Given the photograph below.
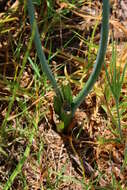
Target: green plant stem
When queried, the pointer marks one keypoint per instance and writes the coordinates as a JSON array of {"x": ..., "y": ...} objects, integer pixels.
[
  {"x": 39, "y": 49},
  {"x": 99, "y": 60},
  {"x": 118, "y": 117}
]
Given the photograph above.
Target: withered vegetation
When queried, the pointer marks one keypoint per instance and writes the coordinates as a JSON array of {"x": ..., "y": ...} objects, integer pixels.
[{"x": 91, "y": 156}]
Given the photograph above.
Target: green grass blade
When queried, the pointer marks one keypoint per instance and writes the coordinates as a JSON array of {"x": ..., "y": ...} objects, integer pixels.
[
  {"x": 123, "y": 74},
  {"x": 2, "y": 131},
  {"x": 35, "y": 68},
  {"x": 21, "y": 162},
  {"x": 108, "y": 78}
]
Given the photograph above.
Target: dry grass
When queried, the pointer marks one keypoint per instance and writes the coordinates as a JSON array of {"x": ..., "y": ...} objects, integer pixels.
[{"x": 92, "y": 156}]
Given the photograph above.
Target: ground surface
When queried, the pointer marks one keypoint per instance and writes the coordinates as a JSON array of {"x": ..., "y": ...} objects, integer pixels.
[{"x": 92, "y": 156}]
